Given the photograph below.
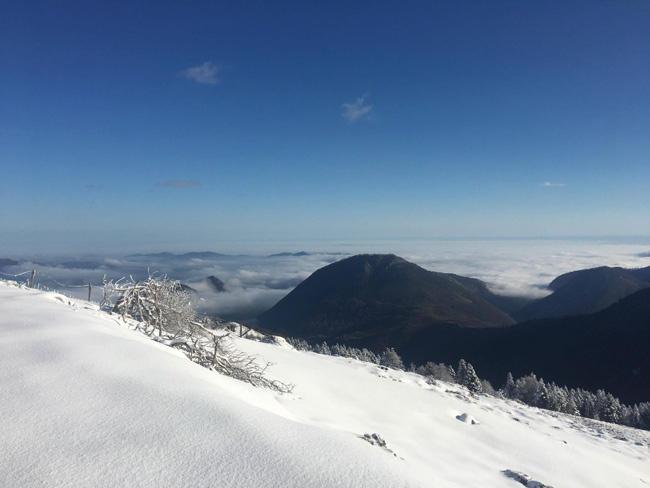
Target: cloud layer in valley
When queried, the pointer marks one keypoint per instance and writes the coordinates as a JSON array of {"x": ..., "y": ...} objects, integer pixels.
[{"x": 254, "y": 283}]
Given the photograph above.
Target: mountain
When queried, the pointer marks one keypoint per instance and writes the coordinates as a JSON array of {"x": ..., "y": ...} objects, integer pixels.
[
  {"x": 289, "y": 254},
  {"x": 168, "y": 256},
  {"x": 159, "y": 255},
  {"x": 187, "y": 288},
  {"x": 604, "y": 350},
  {"x": 380, "y": 300},
  {"x": 303, "y": 254},
  {"x": 7, "y": 262},
  {"x": 585, "y": 291},
  {"x": 216, "y": 284}
]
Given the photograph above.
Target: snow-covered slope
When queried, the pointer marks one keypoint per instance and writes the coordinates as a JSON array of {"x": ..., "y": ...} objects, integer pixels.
[{"x": 85, "y": 401}]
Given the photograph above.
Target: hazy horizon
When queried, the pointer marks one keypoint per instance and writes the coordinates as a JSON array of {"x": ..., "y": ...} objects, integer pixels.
[{"x": 255, "y": 280}]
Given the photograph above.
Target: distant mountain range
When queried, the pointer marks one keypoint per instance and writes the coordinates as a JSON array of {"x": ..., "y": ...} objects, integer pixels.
[
  {"x": 208, "y": 255},
  {"x": 168, "y": 256},
  {"x": 303, "y": 253},
  {"x": 379, "y": 301},
  {"x": 585, "y": 291}
]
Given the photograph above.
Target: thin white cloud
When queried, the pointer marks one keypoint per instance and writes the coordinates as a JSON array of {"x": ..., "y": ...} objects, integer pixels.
[
  {"x": 178, "y": 183},
  {"x": 206, "y": 74},
  {"x": 357, "y": 110},
  {"x": 549, "y": 184}
]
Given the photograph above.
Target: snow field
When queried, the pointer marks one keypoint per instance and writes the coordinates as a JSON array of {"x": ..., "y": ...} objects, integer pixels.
[{"x": 88, "y": 402}]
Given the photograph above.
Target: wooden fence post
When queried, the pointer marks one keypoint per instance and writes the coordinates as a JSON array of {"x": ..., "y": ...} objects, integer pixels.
[
  {"x": 31, "y": 280},
  {"x": 90, "y": 290}
]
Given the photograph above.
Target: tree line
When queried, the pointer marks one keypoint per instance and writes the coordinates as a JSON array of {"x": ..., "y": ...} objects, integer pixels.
[{"x": 528, "y": 389}]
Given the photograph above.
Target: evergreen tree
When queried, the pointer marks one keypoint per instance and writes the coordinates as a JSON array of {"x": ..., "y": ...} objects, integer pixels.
[
  {"x": 526, "y": 389},
  {"x": 391, "y": 359},
  {"x": 588, "y": 409},
  {"x": 557, "y": 400},
  {"x": 472, "y": 381},
  {"x": 510, "y": 390},
  {"x": 322, "y": 349},
  {"x": 452, "y": 373},
  {"x": 338, "y": 350},
  {"x": 461, "y": 372},
  {"x": 644, "y": 412},
  {"x": 599, "y": 404},
  {"x": 421, "y": 370},
  {"x": 487, "y": 387},
  {"x": 439, "y": 371},
  {"x": 571, "y": 407},
  {"x": 541, "y": 398},
  {"x": 611, "y": 410},
  {"x": 369, "y": 356},
  {"x": 467, "y": 377}
]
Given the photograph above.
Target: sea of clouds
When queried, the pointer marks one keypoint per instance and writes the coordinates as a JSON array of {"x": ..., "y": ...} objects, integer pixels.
[{"x": 255, "y": 282}]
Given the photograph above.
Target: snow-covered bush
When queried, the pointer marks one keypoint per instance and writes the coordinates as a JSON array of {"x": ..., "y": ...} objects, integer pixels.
[
  {"x": 164, "y": 311},
  {"x": 158, "y": 303}
]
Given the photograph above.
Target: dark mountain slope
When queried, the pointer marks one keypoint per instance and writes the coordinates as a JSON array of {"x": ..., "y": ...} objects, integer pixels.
[
  {"x": 216, "y": 284},
  {"x": 586, "y": 291},
  {"x": 380, "y": 299},
  {"x": 609, "y": 349}
]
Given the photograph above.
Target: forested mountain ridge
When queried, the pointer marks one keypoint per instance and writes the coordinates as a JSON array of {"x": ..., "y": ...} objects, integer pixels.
[
  {"x": 585, "y": 291},
  {"x": 379, "y": 301},
  {"x": 383, "y": 299},
  {"x": 604, "y": 350}
]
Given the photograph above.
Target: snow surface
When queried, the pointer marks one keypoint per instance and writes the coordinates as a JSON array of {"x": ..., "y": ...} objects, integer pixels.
[{"x": 86, "y": 401}]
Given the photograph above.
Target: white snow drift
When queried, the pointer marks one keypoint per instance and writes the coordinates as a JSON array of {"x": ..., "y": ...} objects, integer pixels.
[{"x": 88, "y": 402}]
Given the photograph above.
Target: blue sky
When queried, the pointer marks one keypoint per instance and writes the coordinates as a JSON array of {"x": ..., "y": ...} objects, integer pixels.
[{"x": 151, "y": 125}]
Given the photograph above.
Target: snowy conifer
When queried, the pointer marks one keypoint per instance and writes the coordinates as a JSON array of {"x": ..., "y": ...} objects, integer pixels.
[
  {"x": 391, "y": 359},
  {"x": 526, "y": 389},
  {"x": 461, "y": 372},
  {"x": 510, "y": 390},
  {"x": 472, "y": 381},
  {"x": 541, "y": 399},
  {"x": 611, "y": 410}
]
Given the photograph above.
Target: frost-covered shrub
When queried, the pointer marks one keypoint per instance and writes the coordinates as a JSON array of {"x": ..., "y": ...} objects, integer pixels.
[
  {"x": 164, "y": 311},
  {"x": 158, "y": 303}
]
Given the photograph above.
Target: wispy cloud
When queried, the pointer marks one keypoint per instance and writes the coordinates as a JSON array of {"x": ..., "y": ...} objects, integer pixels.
[
  {"x": 549, "y": 184},
  {"x": 357, "y": 110},
  {"x": 206, "y": 74},
  {"x": 178, "y": 183}
]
